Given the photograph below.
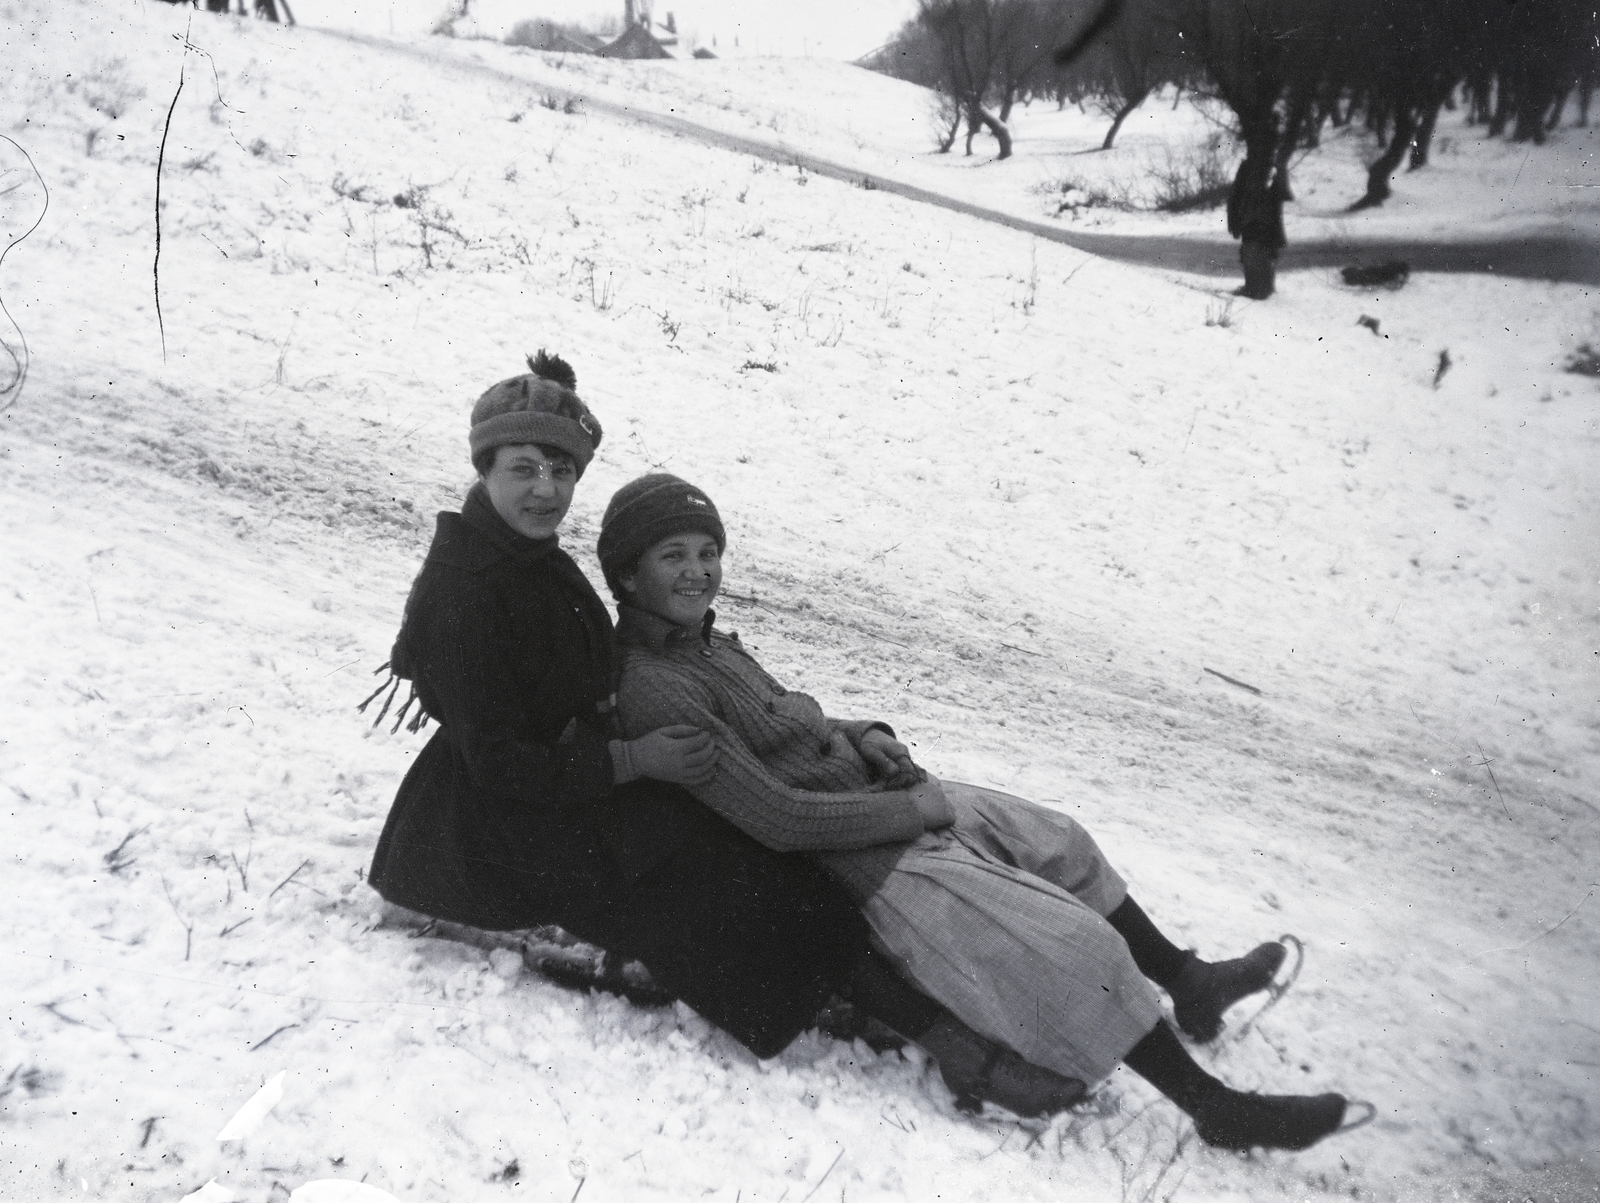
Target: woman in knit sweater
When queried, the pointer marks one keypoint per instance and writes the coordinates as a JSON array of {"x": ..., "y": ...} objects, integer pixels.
[
  {"x": 1003, "y": 911},
  {"x": 526, "y": 809}
]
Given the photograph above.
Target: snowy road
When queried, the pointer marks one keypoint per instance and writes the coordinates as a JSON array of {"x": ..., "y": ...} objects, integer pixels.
[{"x": 1554, "y": 257}]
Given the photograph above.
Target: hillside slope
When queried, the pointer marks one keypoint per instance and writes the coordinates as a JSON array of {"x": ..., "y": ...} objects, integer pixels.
[{"x": 1015, "y": 499}]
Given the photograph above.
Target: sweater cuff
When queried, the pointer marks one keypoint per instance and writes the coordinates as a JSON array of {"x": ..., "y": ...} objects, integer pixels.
[{"x": 622, "y": 770}]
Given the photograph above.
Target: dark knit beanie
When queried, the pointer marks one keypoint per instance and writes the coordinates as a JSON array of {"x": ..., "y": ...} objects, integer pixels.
[
  {"x": 541, "y": 407},
  {"x": 647, "y": 510}
]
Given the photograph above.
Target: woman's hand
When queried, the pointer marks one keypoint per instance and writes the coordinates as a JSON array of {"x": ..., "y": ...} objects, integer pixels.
[
  {"x": 883, "y": 753},
  {"x": 680, "y": 754},
  {"x": 890, "y": 760}
]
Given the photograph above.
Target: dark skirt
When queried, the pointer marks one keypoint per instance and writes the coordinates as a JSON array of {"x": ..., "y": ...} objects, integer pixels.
[{"x": 755, "y": 941}]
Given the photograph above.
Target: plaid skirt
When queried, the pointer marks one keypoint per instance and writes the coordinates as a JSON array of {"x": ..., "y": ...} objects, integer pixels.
[{"x": 1000, "y": 918}]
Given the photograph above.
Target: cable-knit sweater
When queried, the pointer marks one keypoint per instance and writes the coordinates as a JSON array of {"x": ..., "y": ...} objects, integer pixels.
[{"x": 788, "y": 775}]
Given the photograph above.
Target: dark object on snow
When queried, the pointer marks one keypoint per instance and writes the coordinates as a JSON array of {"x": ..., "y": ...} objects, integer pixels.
[
  {"x": 1585, "y": 361},
  {"x": 1391, "y": 273},
  {"x": 509, "y": 817},
  {"x": 1233, "y": 681},
  {"x": 1444, "y": 366},
  {"x": 1371, "y": 323}
]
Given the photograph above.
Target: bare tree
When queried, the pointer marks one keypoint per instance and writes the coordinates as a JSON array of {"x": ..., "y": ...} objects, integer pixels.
[
  {"x": 1406, "y": 60},
  {"x": 1133, "y": 59},
  {"x": 969, "y": 41},
  {"x": 1024, "y": 35}
]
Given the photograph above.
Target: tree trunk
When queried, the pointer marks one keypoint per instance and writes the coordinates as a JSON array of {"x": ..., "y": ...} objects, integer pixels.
[
  {"x": 1405, "y": 122},
  {"x": 1530, "y": 122},
  {"x": 1502, "y": 107},
  {"x": 1006, "y": 102},
  {"x": 1478, "y": 99},
  {"x": 1301, "y": 117},
  {"x": 977, "y": 116},
  {"x": 1122, "y": 115},
  {"x": 1423, "y": 141},
  {"x": 1585, "y": 94},
  {"x": 1557, "y": 107},
  {"x": 947, "y": 108}
]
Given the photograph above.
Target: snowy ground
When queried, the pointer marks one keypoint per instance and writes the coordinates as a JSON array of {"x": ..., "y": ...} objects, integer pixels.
[
  {"x": 1476, "y": 188},
  {"x": 1013, "y": 498}
]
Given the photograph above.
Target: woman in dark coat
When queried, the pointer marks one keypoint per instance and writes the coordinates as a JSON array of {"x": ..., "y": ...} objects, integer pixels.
[{"x": 525, "y": 808}]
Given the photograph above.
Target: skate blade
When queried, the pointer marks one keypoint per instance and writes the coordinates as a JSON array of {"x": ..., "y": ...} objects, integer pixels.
[
  {"x": 1280, "y": 984},
  {"x": 1369, "y": 1113}
]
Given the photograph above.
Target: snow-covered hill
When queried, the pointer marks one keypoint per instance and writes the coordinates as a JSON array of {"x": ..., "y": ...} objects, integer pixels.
[{"x": 1015, "y": 499}]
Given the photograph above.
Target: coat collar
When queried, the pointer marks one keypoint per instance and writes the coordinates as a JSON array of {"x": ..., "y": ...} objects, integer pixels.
[
  {"x": 638, "y": 628},
  {"x": 478, "y": 537}
]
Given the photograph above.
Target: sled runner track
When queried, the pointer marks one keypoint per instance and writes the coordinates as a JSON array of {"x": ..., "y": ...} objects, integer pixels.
[
  {"x": 1162, "y": 701},
  {"x": 1536, "y": 257}
]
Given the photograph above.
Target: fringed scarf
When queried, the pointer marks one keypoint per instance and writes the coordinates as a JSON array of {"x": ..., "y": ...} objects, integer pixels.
[{"x": 479, "y": 512}]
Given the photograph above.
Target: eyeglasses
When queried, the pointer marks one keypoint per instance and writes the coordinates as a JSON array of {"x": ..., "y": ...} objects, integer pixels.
[{"x": 550, "y": 469}]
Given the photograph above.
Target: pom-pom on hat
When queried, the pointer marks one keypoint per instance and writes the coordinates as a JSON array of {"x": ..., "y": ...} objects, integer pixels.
[
  {"x": 645, "y": 511},
  {"x": 541, "y": 407}
]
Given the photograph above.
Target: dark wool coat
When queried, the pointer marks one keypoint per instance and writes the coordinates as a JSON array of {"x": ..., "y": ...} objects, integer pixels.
[{"x": 509, "y": 817}]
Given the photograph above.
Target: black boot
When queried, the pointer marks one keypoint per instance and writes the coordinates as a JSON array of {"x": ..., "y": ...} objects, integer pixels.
[
  {"x": 1232, "y": 1119},
  {"x": 1202, "y": 991}
]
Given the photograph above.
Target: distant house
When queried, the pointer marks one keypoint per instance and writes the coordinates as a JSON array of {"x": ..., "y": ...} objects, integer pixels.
[
  {"x": 636, "y": 42},
  {"x": 643, "y": 37}
]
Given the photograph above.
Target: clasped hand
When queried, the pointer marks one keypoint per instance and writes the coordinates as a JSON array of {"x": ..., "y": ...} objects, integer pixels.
[
  {"x": 890, "y": 760},
  {"x": 680, "y": 754}
]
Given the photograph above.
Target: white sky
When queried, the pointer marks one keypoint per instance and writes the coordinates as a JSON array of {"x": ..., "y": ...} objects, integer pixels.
[{"x": 843, "y": 29}]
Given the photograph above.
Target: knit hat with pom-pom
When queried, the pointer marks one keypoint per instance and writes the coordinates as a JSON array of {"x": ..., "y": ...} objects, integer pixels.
[
  {"x": 645, "y": 511},
  {"x": 541, "y": 407}
]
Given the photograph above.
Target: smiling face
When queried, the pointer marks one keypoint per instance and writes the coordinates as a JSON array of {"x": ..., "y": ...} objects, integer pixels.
[
  {"x": 531, "y": 487},
  {"x": 677, "y": 579}
]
